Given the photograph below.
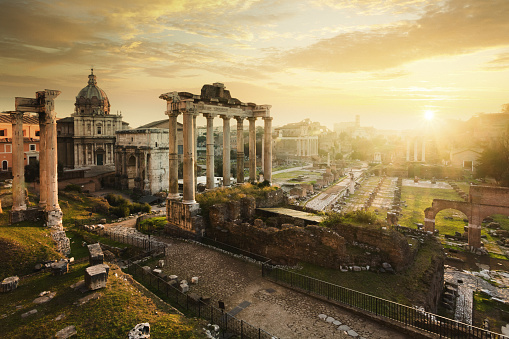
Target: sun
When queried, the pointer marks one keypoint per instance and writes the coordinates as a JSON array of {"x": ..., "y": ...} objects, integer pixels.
[{"x": 429, "y": 115}]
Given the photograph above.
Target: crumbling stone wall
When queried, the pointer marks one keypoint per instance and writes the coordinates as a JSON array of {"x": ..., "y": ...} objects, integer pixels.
[{"x": 285, "y": 243}]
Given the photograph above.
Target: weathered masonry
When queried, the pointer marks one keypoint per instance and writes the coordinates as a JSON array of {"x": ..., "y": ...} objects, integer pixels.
[
  {"x": 482, "y": 201},
  {"x": 44, "y": 106},
  {"x": 214, "y": 101}
]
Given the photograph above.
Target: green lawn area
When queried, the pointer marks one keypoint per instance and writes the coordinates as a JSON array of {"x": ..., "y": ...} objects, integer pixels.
[
  {"x": 418, "y": 199},
  {"x": 22, "y": 246},
  {"x": 119, "y": 308}
]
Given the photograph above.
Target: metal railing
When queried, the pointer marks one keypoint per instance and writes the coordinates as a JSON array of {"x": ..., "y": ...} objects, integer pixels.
[
  {"x": 409, "y": 316},
  {"x": 195, "y": 306}
]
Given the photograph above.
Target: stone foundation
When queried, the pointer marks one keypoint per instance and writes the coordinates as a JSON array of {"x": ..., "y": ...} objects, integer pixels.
[
  {"x": 63, "y": 243},
  {"x": 30, "y": 214}
]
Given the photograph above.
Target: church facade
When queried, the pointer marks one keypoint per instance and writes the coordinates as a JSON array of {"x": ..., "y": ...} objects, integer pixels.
[{"x": 87, "y": 138}]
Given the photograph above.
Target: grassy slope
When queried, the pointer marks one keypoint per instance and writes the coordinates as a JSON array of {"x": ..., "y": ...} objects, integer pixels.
[
  {"x": 117, "y": 311},
  {"x": 21, "y": 247}
]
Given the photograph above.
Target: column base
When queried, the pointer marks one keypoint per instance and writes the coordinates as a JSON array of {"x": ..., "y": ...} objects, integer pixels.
[
  {"x": 19, "y": 208},
  {"x": 173, "y": 196},
  {"x": 190, "y": 202},
  {"x": 54, "y": 218}
]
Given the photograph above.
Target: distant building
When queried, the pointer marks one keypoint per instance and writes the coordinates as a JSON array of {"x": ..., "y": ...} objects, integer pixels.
[
  {"x": 30, "y": 140},
  {"x": 141, "y": 159},
  {"x": 92, "y": 128},
  {"x": 297, "y": 140},
  {"x": 465, "y": 158}
]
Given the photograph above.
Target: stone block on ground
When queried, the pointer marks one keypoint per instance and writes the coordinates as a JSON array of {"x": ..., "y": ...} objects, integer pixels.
[
  {"x": 29, "y": 313},
  {"x": 66, "y": 332},
  {"x": 95, "y": 277},
  {"x": 9, "y": 284},
  {"x": 184, "y": 288},
  {"x": 60, "y": 267},
  {"x": 160, "y": 263},
  {"x": 96, "y": 255},
  {"x": 140, "y": 331},
  {"x": 194, "y": 280}
]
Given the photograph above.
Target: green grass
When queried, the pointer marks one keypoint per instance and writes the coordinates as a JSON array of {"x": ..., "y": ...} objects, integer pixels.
[
  {"x": 496, "y": 312},
  {"x": 22, "y": 246},
  {"x": 113, "y": 315},
  {"x": 406, "y": 287},
  {"x": 78, "y": 207},
  {"x": 418, "y": 199}
]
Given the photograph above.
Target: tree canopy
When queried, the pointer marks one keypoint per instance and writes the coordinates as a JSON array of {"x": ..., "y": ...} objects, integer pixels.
[{"x": 494, "y": 160}]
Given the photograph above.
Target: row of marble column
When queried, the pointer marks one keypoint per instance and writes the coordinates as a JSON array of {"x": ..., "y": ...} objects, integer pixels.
[
  {"x": 48, "y": 201},
  {"x": 416, "y": 150},
  {"x": 189, "y": 163}
]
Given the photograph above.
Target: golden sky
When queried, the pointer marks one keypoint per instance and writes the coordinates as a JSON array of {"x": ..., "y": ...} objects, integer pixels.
[{"x": 387, "y": 60}]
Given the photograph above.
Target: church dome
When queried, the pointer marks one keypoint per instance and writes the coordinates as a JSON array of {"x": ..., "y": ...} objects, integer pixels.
[{"x": 91, "y": 99}]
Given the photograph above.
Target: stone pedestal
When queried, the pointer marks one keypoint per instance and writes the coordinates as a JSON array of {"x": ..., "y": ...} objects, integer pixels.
[
  {"x": 60, "y": 267},
  {"x": 96, "y": 277},
  {"x": 96, "y": 256},
  {"x": 9, "y": 284}
]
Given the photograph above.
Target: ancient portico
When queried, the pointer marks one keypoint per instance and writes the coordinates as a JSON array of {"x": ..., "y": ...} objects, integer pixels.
[
  {"x": 214, "y": 101},
  {"x": 44, "y": 105},
  {"x": 483, "y": 201}
]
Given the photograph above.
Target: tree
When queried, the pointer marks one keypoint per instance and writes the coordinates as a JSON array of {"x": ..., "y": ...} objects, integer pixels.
[
  {"x": 32, "y": 171},
  {"x": 494, "y": 160}
]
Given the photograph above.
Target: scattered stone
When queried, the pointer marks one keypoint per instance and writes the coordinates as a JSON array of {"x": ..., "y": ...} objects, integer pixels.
[
  {"x": 60, "y": 317},
  {"x": 194, "y": 280},
  {"x": 160, "y": 263},
  {"x": 146, "y": 269},
  {"x": 336, "y": 322},
  {"x": 44, "y": 298},
  {"x": 184, "y": 288},
  {"x": 352, "y": 333},
  {"x": 9, "y": 284},
  {"x": 96, "y": 255},
  {"x": 173, "y": 277},
  {"x": 95, "y": 277},
  {"x": 356, "y": 269},
  {"x": 60, "y": 267},
  {"x": 26, "y": 314},
  {"x": 156, "y": 271},
  {"x": 386, "y": 265},
  {"x": 89, "y": 297},
  {"x": 322, "y": 316},
  {"x": 66, "y": 332},
  {"x": 343, "y": 328},
  {"x": 330, "y": 319},
  {"x": 140, "y": 331}
]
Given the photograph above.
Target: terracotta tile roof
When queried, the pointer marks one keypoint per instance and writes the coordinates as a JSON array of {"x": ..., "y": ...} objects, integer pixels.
[{"x": 29, "y": 120}]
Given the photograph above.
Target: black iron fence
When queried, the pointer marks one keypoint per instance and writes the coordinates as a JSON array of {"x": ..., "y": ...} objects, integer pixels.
[
  {"x": 194, "y": 306},
  {"x": 409, "y": 316}
]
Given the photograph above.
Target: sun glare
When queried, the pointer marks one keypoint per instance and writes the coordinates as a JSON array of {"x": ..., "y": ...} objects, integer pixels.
[{"x": 428, "y": 115}]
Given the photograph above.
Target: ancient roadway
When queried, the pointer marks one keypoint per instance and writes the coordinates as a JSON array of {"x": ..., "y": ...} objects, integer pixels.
[{"x": 282, "y": 312}]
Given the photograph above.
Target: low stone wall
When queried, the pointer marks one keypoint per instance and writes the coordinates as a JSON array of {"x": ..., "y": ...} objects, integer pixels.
[{"x": 287, "y": 244}]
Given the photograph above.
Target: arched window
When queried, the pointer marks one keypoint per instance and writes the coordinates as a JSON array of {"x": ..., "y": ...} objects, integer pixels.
[{"x": 99, "y": 129}]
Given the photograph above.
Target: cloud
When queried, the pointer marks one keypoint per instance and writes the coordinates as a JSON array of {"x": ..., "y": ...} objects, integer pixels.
[
  {"x": 389, "y": 75},
  {"x": 500, "y": 63},
  {"x": 458, "y": 27},
  {"x": 374, "y": 7}
]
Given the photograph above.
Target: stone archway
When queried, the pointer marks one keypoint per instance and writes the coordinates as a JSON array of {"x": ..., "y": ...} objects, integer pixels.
[
  {"x": 482, "y": 201},
  {"x": 131, "y": 172}
]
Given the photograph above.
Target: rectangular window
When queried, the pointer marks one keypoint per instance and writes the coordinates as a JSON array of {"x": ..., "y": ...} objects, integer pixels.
[
  {"x": 99, "y": 130},
  {"x": 3, "y": 132},
  {"x": 24, "y": 132},
  {"x": 8, "y": 148},
  {"x": 37, "y": 133},
  {"x": 180, "y": 149},
  {"x": 32, "y": 147}
]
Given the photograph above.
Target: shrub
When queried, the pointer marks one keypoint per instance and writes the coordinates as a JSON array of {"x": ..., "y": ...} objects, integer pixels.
[
  {"x": 73, "y": 188},
  {"x": 120, "y": 211}
]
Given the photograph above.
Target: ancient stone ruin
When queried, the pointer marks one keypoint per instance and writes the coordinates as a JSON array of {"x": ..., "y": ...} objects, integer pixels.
[
  {"x": 483, "y": 201},
  {"x": 214, "y": 100},
  {"x": 43, "y": 104}
]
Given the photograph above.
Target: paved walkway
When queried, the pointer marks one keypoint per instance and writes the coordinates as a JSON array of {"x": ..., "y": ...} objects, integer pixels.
[{"x": 278, "y": 310}]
